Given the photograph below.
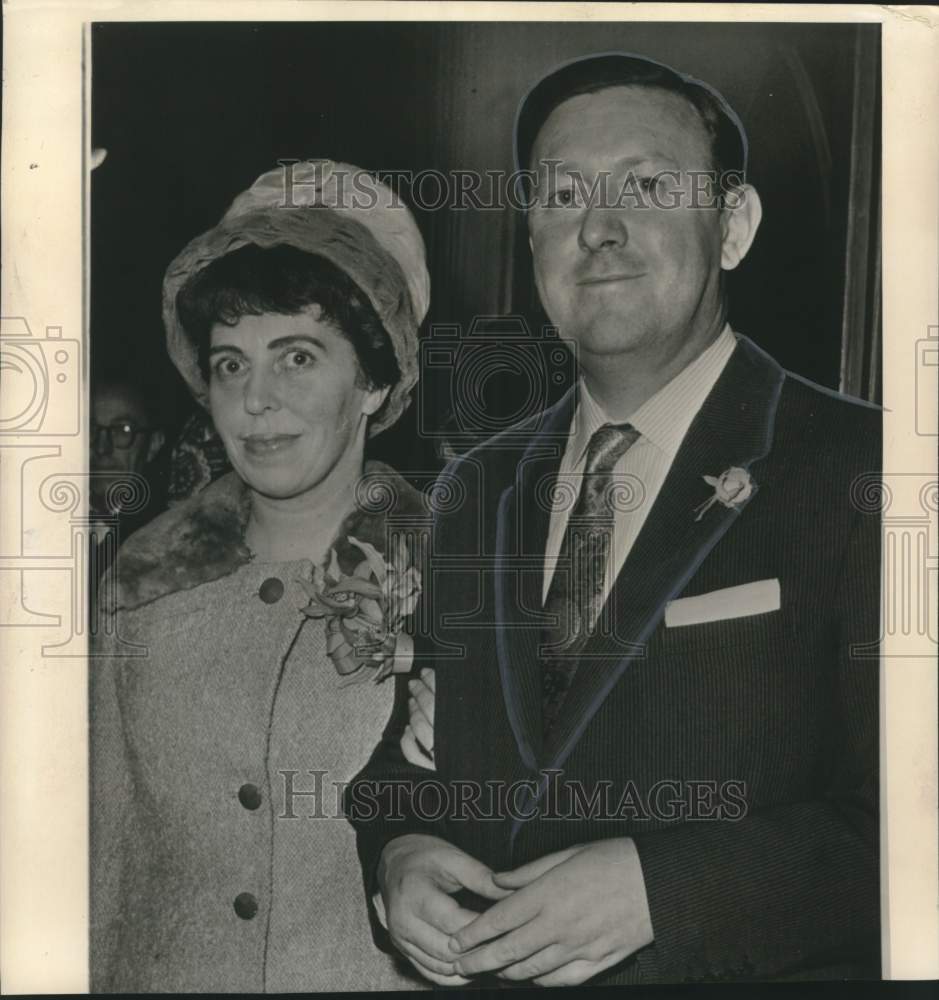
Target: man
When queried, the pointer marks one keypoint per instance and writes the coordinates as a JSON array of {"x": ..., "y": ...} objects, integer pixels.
[
  {"x": 668, "y": 695},
  {"x": 126, "y": 438}
]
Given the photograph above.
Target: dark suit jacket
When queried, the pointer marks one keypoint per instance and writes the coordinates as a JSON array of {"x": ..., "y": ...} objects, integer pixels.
[{"x": 742, "y": 753}]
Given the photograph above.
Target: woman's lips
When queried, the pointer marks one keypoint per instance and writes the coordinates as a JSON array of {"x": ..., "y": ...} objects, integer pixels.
[{"x": 263, "y": 445}]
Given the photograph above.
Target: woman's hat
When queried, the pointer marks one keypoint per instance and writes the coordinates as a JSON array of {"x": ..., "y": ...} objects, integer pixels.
[{"x": 341, "y": 213}]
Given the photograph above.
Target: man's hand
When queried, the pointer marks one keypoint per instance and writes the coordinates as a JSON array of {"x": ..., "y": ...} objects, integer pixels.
[
  {"x": 417, "y": 876},
  {"x": 573, "y": 914}
]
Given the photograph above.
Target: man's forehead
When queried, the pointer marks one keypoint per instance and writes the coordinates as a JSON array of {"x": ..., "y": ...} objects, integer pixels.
[
  {"x": 118, "y": 401},
  {"x": 645, "y": 120}
]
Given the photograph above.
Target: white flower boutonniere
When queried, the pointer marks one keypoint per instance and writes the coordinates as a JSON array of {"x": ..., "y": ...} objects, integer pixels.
[{"x": 731, "y": 488}]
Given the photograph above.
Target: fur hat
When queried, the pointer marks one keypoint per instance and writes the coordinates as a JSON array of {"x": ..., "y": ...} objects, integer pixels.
[{"x": 341, "y": 213}]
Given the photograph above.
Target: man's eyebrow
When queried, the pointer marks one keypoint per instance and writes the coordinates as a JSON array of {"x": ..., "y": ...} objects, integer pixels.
[
  {"x": 568, "y": 167},
  {"x": 126, "y": 418},
  {"x": 653, "y": 157}
]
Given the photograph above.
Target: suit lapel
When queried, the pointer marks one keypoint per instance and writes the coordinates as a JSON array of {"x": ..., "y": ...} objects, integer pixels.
[
  {"x": 522, "y": 523},
  {"x": 733, "y": 428}
]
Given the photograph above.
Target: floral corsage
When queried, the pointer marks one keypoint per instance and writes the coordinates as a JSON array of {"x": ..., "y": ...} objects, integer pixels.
[{"x": 365, "y": 612}]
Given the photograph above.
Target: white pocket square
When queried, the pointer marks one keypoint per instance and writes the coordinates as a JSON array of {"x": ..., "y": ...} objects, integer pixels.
[{"x": 732, "y": 602}]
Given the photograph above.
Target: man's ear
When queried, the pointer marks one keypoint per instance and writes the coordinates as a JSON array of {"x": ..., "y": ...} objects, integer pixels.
[
  {"x": 156, "y": 443},
  {"x": 740, "y": 219}
]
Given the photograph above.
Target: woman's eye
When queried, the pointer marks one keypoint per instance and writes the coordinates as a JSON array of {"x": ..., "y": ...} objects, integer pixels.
[
  {"x": 298, "y": 359},
  {"x": 226, "y": 368}
]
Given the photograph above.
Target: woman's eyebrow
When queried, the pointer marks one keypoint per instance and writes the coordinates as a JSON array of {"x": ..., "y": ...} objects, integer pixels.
[
  {"x": 278, "y": 342},
  {"x": 296, "y": 338}
]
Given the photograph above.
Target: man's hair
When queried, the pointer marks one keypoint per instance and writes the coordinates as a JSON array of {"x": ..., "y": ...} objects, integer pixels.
[
  {"x": 616, "y": 69},
  {"x": 281, "y": 279},
  {"x": 128, "y": 383}
]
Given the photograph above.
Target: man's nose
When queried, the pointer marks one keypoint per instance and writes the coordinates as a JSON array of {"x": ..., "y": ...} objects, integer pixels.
[
  {"x": 101, "y": 443},
  {"x": 603, "y": 228},
  {"x": 261, "y": 391}
]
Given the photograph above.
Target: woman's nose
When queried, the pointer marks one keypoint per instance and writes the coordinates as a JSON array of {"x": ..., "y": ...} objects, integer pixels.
[
  {"x": 603, "y": 228},
  {"x": 261, "y": 391}
]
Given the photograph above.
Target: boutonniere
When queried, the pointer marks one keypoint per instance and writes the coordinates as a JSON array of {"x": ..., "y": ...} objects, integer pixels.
[
  {"x": 364, "y": 611},
  {"x": 731, "y": 488}
]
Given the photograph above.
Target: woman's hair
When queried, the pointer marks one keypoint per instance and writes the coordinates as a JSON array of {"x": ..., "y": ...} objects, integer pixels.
[{"x": 253, "y": 280}]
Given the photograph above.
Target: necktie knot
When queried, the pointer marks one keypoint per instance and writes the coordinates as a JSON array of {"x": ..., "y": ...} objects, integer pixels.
[{"x": 607, "y": 446}]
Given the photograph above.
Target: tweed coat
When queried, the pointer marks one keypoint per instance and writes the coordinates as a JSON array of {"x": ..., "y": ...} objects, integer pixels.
[
  {"x": 214, "y": 714},
  {"x": 740, "y": 754}
]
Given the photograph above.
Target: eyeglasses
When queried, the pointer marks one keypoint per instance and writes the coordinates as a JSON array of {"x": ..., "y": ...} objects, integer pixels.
[{"x": 121, "y": 435}]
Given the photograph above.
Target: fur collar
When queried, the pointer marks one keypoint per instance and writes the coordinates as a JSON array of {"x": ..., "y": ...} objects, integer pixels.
[{"x": 202, "y": 539}]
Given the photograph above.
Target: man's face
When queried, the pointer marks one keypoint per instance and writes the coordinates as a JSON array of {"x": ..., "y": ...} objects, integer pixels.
[
  {"x": 117, "y": 412},
  {"x": 614, "y": 277}
]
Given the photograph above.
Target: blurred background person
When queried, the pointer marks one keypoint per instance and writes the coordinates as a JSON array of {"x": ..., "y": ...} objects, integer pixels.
[{"x": 127, "y": 462}]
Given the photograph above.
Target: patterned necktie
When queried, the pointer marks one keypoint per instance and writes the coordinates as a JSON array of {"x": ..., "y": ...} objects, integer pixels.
[{"x": 575, "y": 596}]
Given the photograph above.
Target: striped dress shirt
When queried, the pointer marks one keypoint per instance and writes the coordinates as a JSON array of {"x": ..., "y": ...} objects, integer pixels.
[{"x": 662, "y": 420}]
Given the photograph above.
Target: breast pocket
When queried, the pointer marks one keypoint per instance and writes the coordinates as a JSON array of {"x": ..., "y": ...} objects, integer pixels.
[{"x": 771, "y": 629}]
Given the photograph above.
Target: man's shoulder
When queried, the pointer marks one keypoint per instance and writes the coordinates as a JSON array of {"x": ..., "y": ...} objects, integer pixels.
[
  {"x": 499, "y": 457},
  {"x": 828, "y": 423},
  {"x": 828, "y": 401}
]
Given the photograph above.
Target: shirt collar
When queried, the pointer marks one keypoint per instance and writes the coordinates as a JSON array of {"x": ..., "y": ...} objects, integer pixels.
[{"x": 664, "y": 418}]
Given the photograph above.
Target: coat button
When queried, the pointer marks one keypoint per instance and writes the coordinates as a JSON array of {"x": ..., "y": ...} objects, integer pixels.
[
  {"x": 271, "y": 591},
  {"x": 246, "y": 906},
  {"x": 249, "y": 796}
]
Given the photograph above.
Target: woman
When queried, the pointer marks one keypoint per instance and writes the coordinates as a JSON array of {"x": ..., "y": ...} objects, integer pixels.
[{"x": 225, "y": 707}]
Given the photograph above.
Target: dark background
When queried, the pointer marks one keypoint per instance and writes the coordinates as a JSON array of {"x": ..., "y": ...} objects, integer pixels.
[{"x": 191, "y": 113}]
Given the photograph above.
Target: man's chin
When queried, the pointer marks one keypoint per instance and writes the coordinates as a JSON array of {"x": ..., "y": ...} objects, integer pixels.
[{"x": 608, "y": 339}]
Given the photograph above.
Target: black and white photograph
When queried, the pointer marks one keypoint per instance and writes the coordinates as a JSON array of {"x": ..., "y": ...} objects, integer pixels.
[{"x": 490, "y": 538}]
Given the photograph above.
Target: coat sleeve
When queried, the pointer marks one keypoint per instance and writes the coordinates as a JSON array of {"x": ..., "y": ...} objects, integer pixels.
[
  {"x": 794, "y": 886},
  {"x": 379, "y": 801},
  {"x": 111, "y": 795}
]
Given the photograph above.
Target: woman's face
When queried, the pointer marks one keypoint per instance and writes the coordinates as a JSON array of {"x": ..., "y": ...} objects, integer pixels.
[{"x": 285, "y": 396}]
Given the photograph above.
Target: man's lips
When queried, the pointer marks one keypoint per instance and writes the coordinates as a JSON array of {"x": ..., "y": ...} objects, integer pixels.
[
  {"x": 267, "y": 444},
  {"x": 609, "y": 279}
]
